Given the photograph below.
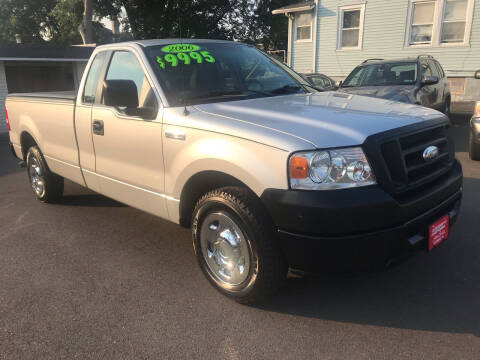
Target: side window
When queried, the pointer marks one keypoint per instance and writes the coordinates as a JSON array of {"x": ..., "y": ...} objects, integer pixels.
[
  {"x": 426, "y": 71},
  {"x": 303, "y": 22},
  {"x": 354, "y": 80},
  {"x": 350, "y": 27},
  {"x": 91, "y": 83},
  {"x": 440, "y": 69},
  {"x": 126, "y": 73},
  {"x": 319, "y": 81},
  {"x": 434, "y": 68},
  {"x": 328, "y": 82}
]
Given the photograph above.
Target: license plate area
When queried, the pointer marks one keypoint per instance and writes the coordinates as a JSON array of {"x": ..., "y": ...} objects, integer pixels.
[{"x": 438, "y": 232}]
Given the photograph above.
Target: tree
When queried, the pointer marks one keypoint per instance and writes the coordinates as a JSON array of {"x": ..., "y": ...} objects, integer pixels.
[
  {"x": 86, "y": 28},
  {"x": 70, "y": 21},
  {"x": 68, "y": 14},
  {"x": 170, "y": 18},
  {"x": 272, "y": 30},
  {"x": 71, "y": 28},
  {"x": 30, "y": 19}
]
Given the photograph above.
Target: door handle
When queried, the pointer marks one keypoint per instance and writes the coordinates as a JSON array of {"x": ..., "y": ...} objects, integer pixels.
[
  {"x": 97, "y": 127},
  {"x": 175, "y": 134}
]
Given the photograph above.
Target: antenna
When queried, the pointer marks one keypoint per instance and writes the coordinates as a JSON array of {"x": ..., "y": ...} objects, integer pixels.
[{"x": 185, "y": 110}]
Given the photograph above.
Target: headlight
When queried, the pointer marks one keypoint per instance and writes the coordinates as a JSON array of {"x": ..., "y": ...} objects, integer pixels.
[{"x": 330, "y": 169}]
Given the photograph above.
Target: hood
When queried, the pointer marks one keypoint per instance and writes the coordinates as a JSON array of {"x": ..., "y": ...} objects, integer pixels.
[
  {"x": 328, "y": 119},
  {"x": 402, "y": 93}
]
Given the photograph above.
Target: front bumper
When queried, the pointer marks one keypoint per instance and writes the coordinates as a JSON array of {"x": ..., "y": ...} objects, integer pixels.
[{"x": 355, "y": 227}]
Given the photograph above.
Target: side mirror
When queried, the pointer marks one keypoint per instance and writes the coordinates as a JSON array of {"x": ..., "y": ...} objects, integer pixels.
[
  {"x": 120, "y": 94},
  {"x": 477, "y": 74},
  {"x": 430, "y": 80},
  {"x": 338, "y": 83}
]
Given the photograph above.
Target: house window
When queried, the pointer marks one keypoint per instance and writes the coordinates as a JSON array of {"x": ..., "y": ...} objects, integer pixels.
[
  {"x": 439, "y": 22},
  {"x": 454, "y": 21},
  {"x": 350, "y": 27},
  {"x": 422, "y": 22},
  {"x": 304, "y": 26}
]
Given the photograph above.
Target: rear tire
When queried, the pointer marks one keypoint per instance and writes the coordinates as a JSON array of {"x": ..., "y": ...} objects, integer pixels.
[
  {"x": 474, "y": 149},
  {"x": 47, "y": 186},
  {"x": 235, "y": 245}
]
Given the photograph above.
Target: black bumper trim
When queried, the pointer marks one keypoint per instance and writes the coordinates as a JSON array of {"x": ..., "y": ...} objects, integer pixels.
[
  {"x": 371, "y": 249},
  {"x": 450, "y": 200},
  {"x": 354, "y": 211}
]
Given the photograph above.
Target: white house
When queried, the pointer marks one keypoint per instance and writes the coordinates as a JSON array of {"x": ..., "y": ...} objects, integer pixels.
[{"x": 333, "y": 36}]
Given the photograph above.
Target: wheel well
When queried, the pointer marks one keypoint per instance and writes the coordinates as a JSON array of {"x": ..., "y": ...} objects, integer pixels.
[
  {"x": 198, "y": 185},
  {"x": 26, "y": 142}
]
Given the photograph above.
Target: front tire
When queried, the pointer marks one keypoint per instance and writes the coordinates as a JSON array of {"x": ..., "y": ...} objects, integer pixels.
[
  {"x": 446, "y": 107},
  {"x": 474, "y": 149},
  {"x": 235, "y": 245},
  {"x": 47, "y": 186}
]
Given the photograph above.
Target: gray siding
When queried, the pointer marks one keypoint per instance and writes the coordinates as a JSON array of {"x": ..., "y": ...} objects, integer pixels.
[
  {"x": 3, "y": 95},
  {"x": 302, "y": 57},
  {"x": 384, "y": 37}
]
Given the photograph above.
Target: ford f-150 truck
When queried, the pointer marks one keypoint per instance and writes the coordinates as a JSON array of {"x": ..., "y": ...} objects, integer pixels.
[{"x": 268, "y": 172}]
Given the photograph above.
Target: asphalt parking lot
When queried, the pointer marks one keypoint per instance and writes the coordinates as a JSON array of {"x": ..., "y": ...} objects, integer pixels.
[{"x": 93, "y": 279}]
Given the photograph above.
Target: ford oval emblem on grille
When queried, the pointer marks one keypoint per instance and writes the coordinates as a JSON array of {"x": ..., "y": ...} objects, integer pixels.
[{"x": 431, "y": 153}]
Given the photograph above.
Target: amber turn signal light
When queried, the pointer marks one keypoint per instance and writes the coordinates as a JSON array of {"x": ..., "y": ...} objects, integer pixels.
[
  {"x": 298, "y": 167},
  {"x": 476, "y": 110}
]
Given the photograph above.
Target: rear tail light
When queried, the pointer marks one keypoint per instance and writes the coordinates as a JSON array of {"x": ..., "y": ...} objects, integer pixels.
[
  {"x": 476, "y": 110},
  {"x": 6, "y": 119}
]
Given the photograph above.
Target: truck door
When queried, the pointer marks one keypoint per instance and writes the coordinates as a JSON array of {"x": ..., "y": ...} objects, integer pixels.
[
  {"x": 83, "y": 120},
  {"x": 127, "y": 136}
]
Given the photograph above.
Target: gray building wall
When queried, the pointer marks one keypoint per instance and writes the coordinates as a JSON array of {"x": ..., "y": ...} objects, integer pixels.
[{"x": 384, "y": 36}]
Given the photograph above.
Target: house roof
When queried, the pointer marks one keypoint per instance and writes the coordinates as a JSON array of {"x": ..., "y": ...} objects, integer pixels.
[
  {"x": 42, "y": 52},
  {"x": 301, "y": 6}
]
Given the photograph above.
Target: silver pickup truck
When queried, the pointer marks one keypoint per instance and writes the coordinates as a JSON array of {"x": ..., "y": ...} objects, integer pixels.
[{"x": 268, "y": 172}]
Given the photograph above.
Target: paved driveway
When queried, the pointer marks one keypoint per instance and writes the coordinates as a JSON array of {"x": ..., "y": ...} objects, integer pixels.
[{"x": 93, "y": 279}]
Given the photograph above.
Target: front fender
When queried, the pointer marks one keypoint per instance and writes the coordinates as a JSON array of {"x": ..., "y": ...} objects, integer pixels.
[{"x": 256, "y": 165}]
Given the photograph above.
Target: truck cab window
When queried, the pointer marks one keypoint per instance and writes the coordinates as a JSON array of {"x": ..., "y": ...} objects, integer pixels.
[
  {"x": 92, "y": 79},
  {"x": 125, "y": 70}
]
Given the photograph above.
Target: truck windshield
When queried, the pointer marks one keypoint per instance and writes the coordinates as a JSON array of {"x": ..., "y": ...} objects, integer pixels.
[
  {"x": 382, "y": 74},
  {"x": 195, "y": 73}
]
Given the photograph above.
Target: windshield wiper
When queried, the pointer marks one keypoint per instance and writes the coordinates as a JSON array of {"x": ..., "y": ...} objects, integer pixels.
[
  {"x": 313, "y": 87},
  {"x": 217, "y": 94},
  {"x": 260, "y": 92},
  {"x": 286, "y": 88}
]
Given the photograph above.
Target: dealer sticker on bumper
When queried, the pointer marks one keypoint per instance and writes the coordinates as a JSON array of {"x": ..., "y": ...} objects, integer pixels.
[{"x": 438, "y": 231}]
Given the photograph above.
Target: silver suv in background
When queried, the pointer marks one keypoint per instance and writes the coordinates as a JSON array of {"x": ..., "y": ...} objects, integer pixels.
[{"x": 420, "y": 81}]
